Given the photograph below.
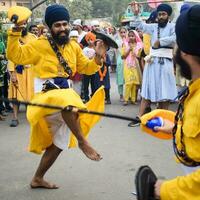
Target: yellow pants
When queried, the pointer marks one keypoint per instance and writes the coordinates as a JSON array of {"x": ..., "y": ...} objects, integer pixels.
[{"x": 130, "y": 92}]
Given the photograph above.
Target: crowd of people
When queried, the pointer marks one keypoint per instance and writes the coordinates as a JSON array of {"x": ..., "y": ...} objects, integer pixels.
[
  {"x": 137, "y": 73},
  {"x": 50, "y": 61}
]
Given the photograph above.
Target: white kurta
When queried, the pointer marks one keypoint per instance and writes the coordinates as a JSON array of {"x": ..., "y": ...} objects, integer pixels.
[{"x": 159, "y": 82}]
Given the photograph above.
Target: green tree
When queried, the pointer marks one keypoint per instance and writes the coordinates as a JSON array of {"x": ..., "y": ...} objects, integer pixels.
[
  {"x": 101, "y": 8},
  {"x": 79, "y": 8},
  {"x": 109, "y": 8}
]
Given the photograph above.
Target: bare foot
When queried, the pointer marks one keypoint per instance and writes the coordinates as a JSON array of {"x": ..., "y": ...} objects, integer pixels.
[
  {"x": 89, "y": 151},
  {"x": 41, "y": 183}
]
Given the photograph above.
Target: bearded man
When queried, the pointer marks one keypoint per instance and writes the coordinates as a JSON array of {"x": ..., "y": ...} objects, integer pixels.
[
  {"x": 158, "y": 83},
  {"x": 50, "y": 128},
  {"x": 186, "y": 128}
]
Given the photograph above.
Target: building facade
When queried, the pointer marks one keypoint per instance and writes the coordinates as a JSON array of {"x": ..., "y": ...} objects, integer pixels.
[{"x": 6, "y": 4}]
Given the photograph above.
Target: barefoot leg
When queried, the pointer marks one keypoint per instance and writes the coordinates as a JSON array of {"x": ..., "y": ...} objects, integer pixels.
[
  {"x": 72, "y": 122},
  {"x": 46, "y": 162}
]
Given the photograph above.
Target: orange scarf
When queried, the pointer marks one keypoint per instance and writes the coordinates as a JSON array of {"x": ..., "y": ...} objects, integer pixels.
[{"x": 103, "y": 74}]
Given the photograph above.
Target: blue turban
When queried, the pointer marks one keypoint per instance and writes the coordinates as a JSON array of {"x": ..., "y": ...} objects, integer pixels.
[
  {"x": 188, "y": 31},
  {"x": 184, "y": 7},
  {"x": 56, "y": 13},
  {"x": 165, "y": 7}
]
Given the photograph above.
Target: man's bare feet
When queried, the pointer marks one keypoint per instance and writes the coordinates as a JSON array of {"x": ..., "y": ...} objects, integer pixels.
[
  {"x": 89, "y": 151},
  {"x": 41, "y": 183}
]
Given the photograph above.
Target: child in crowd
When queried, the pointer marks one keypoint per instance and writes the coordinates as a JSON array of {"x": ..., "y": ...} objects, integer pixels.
[
  {"x": 130, "y": 53},
  {"x": 90, "y": 53},
  {"x": 102, "y": 77}
]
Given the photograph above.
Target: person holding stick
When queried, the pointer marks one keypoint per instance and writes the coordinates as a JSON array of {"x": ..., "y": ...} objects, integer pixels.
[
  {"x": 55, "y": 59},
  {"x": 158, "y": 84}
]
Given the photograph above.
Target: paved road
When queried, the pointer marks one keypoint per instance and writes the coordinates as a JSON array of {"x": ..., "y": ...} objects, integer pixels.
[{"x": 123, "y": 149}]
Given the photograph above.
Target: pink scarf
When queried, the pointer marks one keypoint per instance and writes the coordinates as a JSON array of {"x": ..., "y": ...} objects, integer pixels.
[{"x": 131, "y": 58}]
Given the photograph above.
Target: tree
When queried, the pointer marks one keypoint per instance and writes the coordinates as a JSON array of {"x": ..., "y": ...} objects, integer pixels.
[
  {"x": 101, "y": 8},
  {"x": 109, "y": 8},
  {"x": 79, "y": 9}
]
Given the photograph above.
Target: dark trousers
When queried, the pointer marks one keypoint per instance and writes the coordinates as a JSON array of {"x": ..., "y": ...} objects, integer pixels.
[
  {"x": 88, "y": 80},
  {"x": 107, "y": 93},
  {"x": 1, "y": 103},
  {"x": 4, "y": 92}
]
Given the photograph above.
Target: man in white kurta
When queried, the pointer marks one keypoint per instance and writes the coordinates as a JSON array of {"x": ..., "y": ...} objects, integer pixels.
[{"x": 159, "y": 84}]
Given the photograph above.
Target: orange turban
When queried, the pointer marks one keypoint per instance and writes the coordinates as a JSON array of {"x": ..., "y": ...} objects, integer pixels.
[{"x": 90, "y": 36}]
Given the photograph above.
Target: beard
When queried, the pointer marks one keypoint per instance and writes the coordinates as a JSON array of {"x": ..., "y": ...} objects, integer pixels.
[
  {"x": 162, "y": 22},
  {"x": 24, "y": 32},
  {"x": 183, "y": 65},
  {"x": 61, "y": 40}
]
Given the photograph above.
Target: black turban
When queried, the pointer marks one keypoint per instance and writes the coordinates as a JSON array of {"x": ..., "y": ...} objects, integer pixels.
[
  {"x": 188, "y": 31},
  {"x": 152, "y": 17},
  {"x": 56, "y": 13},
  {"x": 165, "y": 7}
]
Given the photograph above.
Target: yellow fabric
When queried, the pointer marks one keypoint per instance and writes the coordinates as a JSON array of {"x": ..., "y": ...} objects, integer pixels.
[
  {"x": 147, "y": 43},
  {"x": 132, "y": 79},
  {"x": 130, "y": 92},
  {"x": 131, "y": 75},
  {"x": 191, "y": 122},
  {"x": 88, "y": 121},
  {"x": 165, "y": 114},
  {"x": 23, "y": 13},
  {"x": 187, "y": 187},
  {"x": 41, "y": 55},
  {"x": 41, "y": 136},
  {"x": 182, "y": 188},
  {"x": 24, "y": 91},
  {"x": 25, "y": 81}
]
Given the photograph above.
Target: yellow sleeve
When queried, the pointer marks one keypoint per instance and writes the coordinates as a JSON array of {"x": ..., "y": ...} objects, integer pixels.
[
  {"x": 21, "y": 54},
  {"x": 182, "y": 188},
  {"x": 11, "y": 66},
  {"x": 85, "y": 65},
  {"x": 147, "y": 43}
]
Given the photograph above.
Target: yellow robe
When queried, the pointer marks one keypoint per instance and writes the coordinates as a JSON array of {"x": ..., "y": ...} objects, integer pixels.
[
  {"x": 25, "y": 87},
  {"x": 187, "y": 187},
  {"x": 46, "y": 65}
]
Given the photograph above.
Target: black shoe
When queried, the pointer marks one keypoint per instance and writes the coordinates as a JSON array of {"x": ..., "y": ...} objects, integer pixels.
[
  {"x": 108, "y": 101},
  {"x": 3, "y": 113},
  {"x": 134, "y": 123},
  {"x": 9, "y": 109},
  {"x": 147, "y": 110},
  {"x": 85, "y": 100},
  {"x": 14, "y": 123}
]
